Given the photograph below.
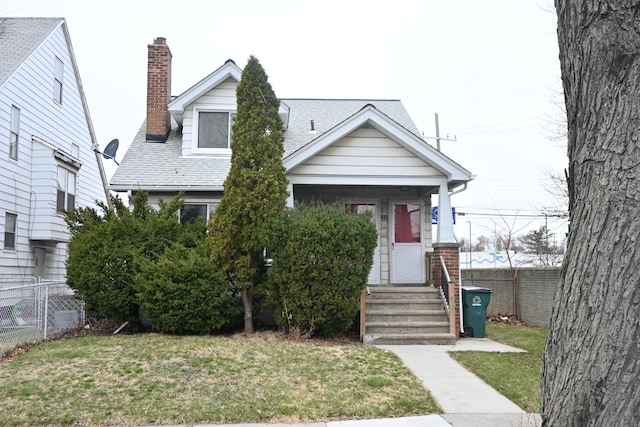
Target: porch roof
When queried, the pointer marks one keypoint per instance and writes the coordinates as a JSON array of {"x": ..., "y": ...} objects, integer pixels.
[{"x": 405, "y": 136}]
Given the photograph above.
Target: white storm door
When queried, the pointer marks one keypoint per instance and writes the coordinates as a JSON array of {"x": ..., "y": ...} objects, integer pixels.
[
  {"x": 360, "y": 207},
  {"x": 407, "y": 249},
  {"x": 39, "y": 263}
]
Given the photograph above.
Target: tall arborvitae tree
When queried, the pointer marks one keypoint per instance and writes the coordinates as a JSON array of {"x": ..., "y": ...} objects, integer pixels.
[
  {"x": 591, "y": 369},
  {"x": 256, "y": 187}
]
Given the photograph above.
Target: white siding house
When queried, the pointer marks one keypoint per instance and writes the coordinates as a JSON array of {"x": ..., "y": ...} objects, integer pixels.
[
  {"x": 367, "y": 154},
  {"x": 47, "y": 160}
]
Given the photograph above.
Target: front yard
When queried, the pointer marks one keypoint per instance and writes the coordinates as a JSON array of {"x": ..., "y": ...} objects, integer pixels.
[{"x": 153, "y": 378}]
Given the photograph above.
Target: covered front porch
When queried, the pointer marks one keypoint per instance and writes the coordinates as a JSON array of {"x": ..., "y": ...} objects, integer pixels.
[
  {"x": 407, "y": 297},
  {"x": 369, "y": 162},
  {"x": 402, "y": 216}
]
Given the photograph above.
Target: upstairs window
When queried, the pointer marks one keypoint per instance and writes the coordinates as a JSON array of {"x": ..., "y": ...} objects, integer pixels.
[
  {"x": 66, "y": 196},
  {"x": 14, "y": 133},
  {"x": 214, "y": 129},
  {"x": 10, "y": 225},
  {"x": 57, "y": 80}
]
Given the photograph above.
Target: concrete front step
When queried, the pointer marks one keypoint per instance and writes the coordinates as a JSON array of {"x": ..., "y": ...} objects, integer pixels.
[
  {"x": 374, "y": 314},
  {"x": 409, "y": 339},
  {"x": 406, "y": 315},
  {"x": 396, "y": 292},
  {"x": 414, "y": 304},
  {"x": 409, "y": 328}
]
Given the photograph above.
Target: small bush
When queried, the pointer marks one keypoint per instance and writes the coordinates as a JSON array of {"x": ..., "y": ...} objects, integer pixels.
[
  {"x": 183, "y": 293},
  {"x": 321, "y": 260},
  {"x": 107, "y": 248}
]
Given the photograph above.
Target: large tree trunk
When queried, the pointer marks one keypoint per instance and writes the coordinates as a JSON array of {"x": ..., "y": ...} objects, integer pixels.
[{"x": 591, "y": 369}]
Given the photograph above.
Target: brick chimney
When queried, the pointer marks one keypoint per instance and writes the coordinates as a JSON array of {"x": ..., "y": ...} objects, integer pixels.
[{"x": 158, "y": 90}]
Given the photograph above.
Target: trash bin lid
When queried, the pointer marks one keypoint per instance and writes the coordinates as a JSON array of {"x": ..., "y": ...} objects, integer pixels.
[{"x": 476, "y": 289}]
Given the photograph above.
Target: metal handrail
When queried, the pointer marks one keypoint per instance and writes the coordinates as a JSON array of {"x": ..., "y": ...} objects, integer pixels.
[
  {"x": 445, "y": 280},
  {"x": 446, "y": 288}
]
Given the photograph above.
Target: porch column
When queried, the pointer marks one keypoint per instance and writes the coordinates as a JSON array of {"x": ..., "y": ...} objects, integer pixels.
[
  {"x": 445, "y": 218},
  {"x": 450, "y": 252},
  {"x": 289, "y": 195}
]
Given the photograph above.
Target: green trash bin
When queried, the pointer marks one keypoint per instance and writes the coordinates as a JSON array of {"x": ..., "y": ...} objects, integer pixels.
[{"x": 474, "y": 310}]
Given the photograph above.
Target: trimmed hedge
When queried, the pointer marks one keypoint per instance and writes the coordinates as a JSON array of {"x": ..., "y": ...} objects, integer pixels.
[
  {"x": 183, "y": 293},
  {"x": 321, "y": 260}
]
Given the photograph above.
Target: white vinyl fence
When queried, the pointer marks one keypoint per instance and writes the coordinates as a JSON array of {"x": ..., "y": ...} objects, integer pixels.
[{"x": 32, "y": 310}]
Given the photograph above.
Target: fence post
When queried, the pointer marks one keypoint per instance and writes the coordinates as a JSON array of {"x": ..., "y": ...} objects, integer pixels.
[{"x": 46, "y": 311}]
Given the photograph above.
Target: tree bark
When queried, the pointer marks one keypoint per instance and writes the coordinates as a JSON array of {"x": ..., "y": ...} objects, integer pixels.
[
  {"x": 247, "y": 302},
  {"x": 591, "y": 367}
]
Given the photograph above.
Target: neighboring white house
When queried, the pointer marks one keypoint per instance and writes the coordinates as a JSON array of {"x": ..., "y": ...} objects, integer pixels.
[
  {"x": 47, "y": 161},
  {"x": 366, "y": 154}
]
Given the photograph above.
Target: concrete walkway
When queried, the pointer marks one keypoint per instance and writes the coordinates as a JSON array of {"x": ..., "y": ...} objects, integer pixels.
[{"x": 465, "y": 399}]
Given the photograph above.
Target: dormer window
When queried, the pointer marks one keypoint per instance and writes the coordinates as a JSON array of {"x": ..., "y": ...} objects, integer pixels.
[{"x": 214, "y": 129}]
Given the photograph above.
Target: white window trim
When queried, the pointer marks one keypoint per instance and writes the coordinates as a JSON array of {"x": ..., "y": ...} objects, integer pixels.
[
  {"x": 15, "y": 232},
  {"x": 66, "y": 189},
  {"x": 58, "y": 80},
  {"x": 14, "y": 130},
  {"x": 211, "y": 207},
  {"x": 222, "y": 152}
]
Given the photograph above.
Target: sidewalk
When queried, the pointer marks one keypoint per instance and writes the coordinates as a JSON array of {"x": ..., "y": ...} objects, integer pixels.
[{"x": 465, "y": 399}]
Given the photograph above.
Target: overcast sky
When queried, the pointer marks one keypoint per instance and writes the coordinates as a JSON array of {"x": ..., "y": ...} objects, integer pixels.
[{"x": 488, "y": 68}]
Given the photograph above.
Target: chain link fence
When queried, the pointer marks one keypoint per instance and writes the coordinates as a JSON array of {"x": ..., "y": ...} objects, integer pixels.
[{"x": 32, "y": 310}]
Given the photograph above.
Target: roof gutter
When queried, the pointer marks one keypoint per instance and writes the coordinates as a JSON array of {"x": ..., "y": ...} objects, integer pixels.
[
  {"x": 464, "y": 187},
  {"x": 158, "y": 188}
]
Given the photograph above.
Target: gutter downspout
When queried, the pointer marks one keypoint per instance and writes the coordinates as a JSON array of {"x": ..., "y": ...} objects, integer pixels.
[{"x": 464, "y": 187}]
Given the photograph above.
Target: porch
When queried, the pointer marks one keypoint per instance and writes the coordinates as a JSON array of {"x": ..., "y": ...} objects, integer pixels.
[
  {"x": 411, "y": 275},
  {"x": 369, "y": 162}
]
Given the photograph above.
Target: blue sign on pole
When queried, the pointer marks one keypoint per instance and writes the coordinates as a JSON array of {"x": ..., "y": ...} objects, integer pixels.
[{"x": 434, "y": 215}]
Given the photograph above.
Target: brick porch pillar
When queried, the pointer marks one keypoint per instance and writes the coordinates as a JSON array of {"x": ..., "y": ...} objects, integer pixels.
[{"x": 450, "y": 252}]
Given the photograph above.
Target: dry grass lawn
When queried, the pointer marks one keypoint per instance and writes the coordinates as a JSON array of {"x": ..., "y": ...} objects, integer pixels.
[{"x": 158, "y": 379}]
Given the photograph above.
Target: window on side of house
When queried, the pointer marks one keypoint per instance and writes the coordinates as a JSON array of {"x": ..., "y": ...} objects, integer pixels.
[
  {"x": 66, "y": 195},
  {"x": 57, "y": 80},
  {"x": 10, "y": 226},
  {"x": 14, "y": 134},
  {"x": 214, "y": 129}
]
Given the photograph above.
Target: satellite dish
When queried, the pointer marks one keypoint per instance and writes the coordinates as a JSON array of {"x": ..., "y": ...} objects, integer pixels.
[{"x": 110, "y": 150}]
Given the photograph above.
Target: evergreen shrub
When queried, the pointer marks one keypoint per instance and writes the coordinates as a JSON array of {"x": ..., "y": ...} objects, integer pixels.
[
  {"x": 183, "y": 293},
  {"x": 321, "y": 260}
]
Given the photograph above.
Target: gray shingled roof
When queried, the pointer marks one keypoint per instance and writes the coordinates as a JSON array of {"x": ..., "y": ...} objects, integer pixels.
[
  {"x": 327, "y": 113},
  {"x": 159, "y": 165},
  {"x": 19, "y": 37},
  {"x": 149, "y": 165}
]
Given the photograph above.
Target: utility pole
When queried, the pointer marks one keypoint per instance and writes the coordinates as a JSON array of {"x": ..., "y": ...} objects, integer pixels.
[
  {"x": 437, "y": 133},
  {"x": 437, "y": 137}
]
